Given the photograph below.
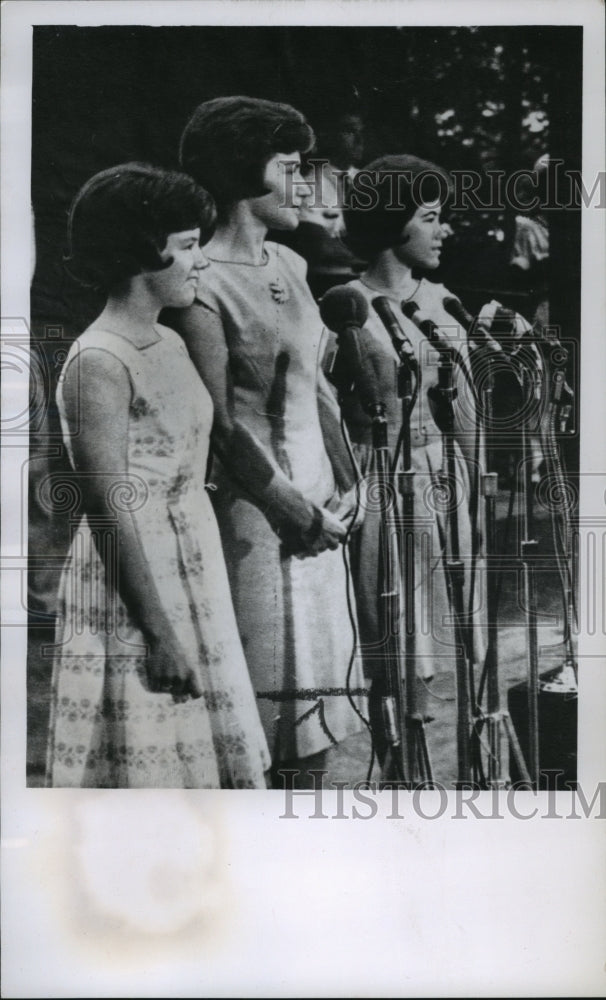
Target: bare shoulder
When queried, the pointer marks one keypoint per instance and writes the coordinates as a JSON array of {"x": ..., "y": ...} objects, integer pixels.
[
  {"x": 199, "y": 326},
  {"x": 94, "y": 371}
]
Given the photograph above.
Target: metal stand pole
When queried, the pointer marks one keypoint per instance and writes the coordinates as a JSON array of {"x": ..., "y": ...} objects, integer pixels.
[
  {"x": 392, "y": 699},
  {"x": 494, "y": 718},
  {"x": 529, "y": 550},
  {"x": 559, "y": 409},
  {"x": 419, "y": 763},
  {"x": 444, "y": 395}
]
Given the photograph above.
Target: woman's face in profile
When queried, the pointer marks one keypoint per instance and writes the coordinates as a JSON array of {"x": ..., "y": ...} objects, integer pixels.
[
  {"x": 422, "y": 237},
  {"x": 280, "y": 208},
  {"x": 175, "y": 285}
]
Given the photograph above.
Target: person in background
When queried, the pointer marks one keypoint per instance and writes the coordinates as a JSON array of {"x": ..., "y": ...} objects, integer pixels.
[
  {"x": 529, "y": 268},
  {"x": 329, "y": 169},
  {"x": 150, "y": 687},
  {"x": 47, "y": 529},
  {"x": 284, "y": 479},
  {"x": 530, "y": 252}
]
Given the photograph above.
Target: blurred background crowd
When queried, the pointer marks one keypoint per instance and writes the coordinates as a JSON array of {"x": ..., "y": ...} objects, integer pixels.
[{"x": 471, "y": 99}]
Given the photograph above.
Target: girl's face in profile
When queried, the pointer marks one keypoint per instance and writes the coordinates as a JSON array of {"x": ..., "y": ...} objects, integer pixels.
[
  {"x": 422, "y": 237},
  {"x": 280, "y": 208},
  {"x": 175, "y": 286}
]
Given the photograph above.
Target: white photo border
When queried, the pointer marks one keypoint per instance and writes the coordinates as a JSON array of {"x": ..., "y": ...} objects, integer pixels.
[{"x": 157, "y": 893}]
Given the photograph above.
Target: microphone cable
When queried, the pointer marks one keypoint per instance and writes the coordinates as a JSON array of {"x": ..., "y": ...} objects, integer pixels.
[
  {"x": 350, "y": 609},
  {"x": 499, "y": 581},
  {"x": 399, "y": 443}
]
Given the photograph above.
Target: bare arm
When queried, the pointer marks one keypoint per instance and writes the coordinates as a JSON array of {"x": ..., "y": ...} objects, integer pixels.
[
  {"x": 298, "y": 521},
  {"x": 97, "y": 394}
]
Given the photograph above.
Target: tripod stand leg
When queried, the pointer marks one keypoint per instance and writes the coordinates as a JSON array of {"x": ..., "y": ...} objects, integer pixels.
[
  {"x": 424, "y": 760},
  {"x": 498, "y": 724},
  {"x": 496, "y": 778},
  {"x": 516, "y": 750},
  {"x": 418, "y": 752},
  {"x": 456, "y": 571}
]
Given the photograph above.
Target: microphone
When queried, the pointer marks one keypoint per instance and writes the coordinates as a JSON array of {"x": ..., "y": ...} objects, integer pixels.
[
  {"x": 431, "y": 331},
  {"x": 504, "y": 322},
  {"x": 471, "y": 324},
  {"x": 400, "y": 341},
  {"x": 345, "y": 311},
  {"x": 537, "y": 337}
]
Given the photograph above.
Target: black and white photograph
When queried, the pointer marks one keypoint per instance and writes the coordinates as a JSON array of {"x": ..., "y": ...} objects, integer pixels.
[
  {"x": 318, "y": 476},
  {"x": 303, "y": 460}
]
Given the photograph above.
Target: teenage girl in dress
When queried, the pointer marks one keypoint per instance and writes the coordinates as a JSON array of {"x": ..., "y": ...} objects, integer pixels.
[{"x": 150, "y": 686}]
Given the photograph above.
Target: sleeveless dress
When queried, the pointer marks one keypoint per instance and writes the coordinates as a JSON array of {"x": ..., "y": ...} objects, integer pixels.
[
  {"x": 293, "y": 613},
  {"x": 107, "y": 728},
  {"x": 434, "y": 634}
]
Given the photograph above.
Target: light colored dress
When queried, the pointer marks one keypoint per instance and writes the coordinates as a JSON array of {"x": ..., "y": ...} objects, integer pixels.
[
  {"x": 434, "y": 635},
  {"x": 292, "y": 612},
  {"x": 107, "y": 728}
]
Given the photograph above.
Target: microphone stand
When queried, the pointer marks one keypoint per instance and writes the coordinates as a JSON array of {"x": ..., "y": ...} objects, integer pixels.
[
  {"x": 444, "y": 395},
  {"x": 558, "y": 411},
  {"x": 419, "y": 763},
  {"x": 528, "y": 374},
  {"x": 392, "y": 700},
  {"x": 345, "y": 311},
  {"x": 529, "y": 552},
  {"x": 495, "y": 718}
]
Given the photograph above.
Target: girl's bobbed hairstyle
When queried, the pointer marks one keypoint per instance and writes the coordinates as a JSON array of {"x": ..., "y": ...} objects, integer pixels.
[
  {"x": 121, "y": 218},
  {"x": 228, "y": 141},
  {"x": 385, "y": 195}
]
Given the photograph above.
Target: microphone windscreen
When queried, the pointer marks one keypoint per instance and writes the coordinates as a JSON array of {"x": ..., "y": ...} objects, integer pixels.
[
  {"x": 342, "y": 307},
  {"x": 375, "y": 368}
]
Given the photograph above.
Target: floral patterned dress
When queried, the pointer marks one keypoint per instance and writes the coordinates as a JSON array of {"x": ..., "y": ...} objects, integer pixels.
[{"x": 107, "y": 728}]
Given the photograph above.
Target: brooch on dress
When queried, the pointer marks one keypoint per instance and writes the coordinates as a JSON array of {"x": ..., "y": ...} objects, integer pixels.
[{"x": 278, "y": 292}]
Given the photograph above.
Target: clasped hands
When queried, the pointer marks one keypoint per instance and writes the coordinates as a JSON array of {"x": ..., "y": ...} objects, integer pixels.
[{"x": 331, "y": 524}]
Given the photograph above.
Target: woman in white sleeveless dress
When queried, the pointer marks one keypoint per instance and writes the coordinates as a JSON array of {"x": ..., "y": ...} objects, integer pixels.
[{"x": 150, "y": 686}]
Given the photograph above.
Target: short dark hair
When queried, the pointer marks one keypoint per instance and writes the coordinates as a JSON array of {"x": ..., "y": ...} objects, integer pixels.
[
  {"x": 121, "y": 218},
  {"x": 228, "y": 141},
  {"x": 379, "y": 225}
]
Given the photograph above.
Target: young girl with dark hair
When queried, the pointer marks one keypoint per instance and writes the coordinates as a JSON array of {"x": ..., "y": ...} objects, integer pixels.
[
  {"x": 401, "y": 236},
  {"x": 150, "y": 686},
  {"x": 284, "y": 478}
]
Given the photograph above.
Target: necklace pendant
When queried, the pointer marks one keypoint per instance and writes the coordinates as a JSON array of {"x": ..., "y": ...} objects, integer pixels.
[{"x": 278, "y": 292}]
